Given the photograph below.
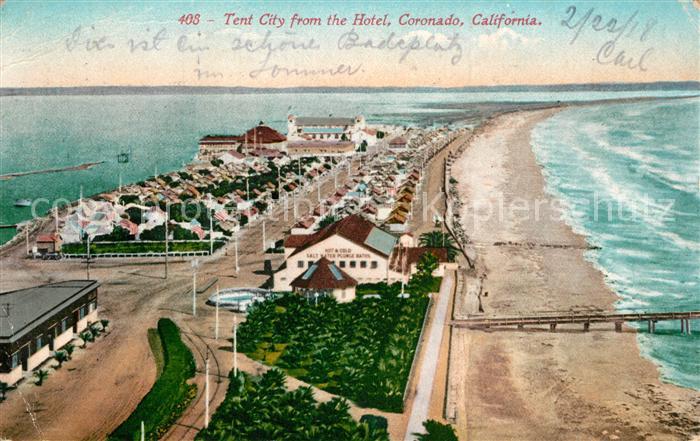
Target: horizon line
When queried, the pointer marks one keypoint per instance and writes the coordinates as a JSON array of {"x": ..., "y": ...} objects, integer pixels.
[{"x": 620, "y": 86}]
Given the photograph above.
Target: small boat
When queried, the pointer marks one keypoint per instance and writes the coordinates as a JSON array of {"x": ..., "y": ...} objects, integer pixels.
[{"x": 23, "y": 203}]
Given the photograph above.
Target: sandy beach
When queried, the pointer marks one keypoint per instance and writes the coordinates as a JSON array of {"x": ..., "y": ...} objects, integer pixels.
[{"x": 535, "y": 384}]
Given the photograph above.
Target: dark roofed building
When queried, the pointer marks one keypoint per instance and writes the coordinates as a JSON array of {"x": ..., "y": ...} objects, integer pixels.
[
  {"x": 35, "y": 321},
  {"x": 324, "y": 278}
]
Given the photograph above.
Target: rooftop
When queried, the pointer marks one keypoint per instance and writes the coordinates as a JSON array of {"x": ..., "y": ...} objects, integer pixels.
[
  {"x": 31, "y": 306},
  {"x": 262, "y": 134},
  {"x": 354, "y": 228},
  {"x": 323, "y": 274},
  {"x": 324, "y": 121}
]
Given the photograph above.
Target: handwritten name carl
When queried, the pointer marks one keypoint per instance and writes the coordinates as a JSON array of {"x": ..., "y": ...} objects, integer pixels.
[{"x": 610, "y": 53}]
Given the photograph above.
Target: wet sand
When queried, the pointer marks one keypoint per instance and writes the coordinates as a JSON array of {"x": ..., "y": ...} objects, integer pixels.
[{"x": 535, "y": 384}]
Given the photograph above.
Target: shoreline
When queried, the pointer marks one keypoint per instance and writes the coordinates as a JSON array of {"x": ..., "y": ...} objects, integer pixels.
[{"x": 541, "y": 385}]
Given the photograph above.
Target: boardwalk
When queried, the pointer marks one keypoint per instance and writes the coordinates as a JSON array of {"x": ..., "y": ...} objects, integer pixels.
[
  {"x": 582, "y": 317},
  {"x": 426, "y": 377}
]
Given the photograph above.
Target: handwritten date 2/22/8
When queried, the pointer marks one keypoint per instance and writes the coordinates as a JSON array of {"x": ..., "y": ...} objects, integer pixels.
[{"x": 631, "y": 30}]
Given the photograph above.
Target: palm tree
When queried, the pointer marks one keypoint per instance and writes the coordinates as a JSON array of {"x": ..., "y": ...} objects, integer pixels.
[
  {"x": 438, "y": 239},
  {"x": 4, "y": 387},
  {"x": 61, "y": 357},
  {"x": 41, "y": 375},
  {"x": 69, "y": 348},
  {"x": 87, "y": 337}
]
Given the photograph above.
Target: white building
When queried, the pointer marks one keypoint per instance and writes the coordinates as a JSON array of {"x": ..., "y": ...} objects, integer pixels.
[
  {"x": 324, "y": 128},
  {"x": 354, "y": 244}
]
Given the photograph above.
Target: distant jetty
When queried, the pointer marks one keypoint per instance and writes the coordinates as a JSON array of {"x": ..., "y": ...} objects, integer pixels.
[{"x": 85, "y": 166}]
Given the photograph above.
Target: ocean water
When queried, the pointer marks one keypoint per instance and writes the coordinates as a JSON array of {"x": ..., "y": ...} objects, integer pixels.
[
  {"x": 42, "y": 132},
  {"x": 628, "y": 176}
]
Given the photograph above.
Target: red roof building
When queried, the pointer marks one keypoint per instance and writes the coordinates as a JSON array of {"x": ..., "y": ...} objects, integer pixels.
[{"x": 261, "y": 134}]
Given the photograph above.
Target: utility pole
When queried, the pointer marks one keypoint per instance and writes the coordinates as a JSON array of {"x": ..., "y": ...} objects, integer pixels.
[
  {"x": 88, "y": 257},
  {"x": 279, "y": 185},
  {"x": 195, "y": 265},
  {"x": 216, "y": 323},
  {"x": 263, "y": 236},
  {"x": 211, "y": 233},
  {"x": 143, "y": 432},
  {"x": 167, "y": 248},
  {"x": 235, "y": 244},
  {"x": 235, "y": 346},
  {"x": 247, "y": 189},
  {"x": 206, "y": 391},
  {"x": 294, "y": 202}
]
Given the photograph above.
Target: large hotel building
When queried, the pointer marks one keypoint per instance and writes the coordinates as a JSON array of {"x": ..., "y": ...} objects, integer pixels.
[{"x": 356, "y": 248}]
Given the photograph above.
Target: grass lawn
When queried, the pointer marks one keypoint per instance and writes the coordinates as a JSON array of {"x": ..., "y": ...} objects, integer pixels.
[
  {"x": 137, "y": 247},
  {"x": 361, "y": 350},
  {"x": 169, "y": 396},
  {"x": 261, "y": 408}
]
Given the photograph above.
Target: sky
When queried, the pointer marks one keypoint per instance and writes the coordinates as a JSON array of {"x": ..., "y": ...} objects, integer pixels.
[{"x": 110, "y": 43}]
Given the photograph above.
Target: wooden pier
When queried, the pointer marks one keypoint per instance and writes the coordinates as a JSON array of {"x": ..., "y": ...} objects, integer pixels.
[{"x": 584, "y": 318}]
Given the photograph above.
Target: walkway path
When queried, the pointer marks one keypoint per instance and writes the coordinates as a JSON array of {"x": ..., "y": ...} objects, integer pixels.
[{"x": 426, "y": 378}]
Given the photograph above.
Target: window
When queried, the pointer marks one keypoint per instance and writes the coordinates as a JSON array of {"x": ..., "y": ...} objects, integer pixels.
[
  {"x": 64, "y": 325},
  {"x": 82, "y": 312},
  {"x": 374, "y": 264},
  {"x": 363, "y": 264},
  {"x": 300, "y": 264},
  {"x": 353, "y": 264},
  {"x": 14, "y": 362},
  {"x": 39, "y": 342},
  {"x": 309, "y": 263},
  {"x": 342, "y": 264},
  {"x": 92, "y": 306}
]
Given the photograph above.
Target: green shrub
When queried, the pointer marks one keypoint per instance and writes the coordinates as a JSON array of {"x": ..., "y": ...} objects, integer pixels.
[
  {"x": 436, "y": 431},
  {"x": 169, "y": 396}
]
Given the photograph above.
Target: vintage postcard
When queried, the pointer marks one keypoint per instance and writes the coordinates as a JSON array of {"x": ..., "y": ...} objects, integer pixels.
[{"x": 344, "y": 220}]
